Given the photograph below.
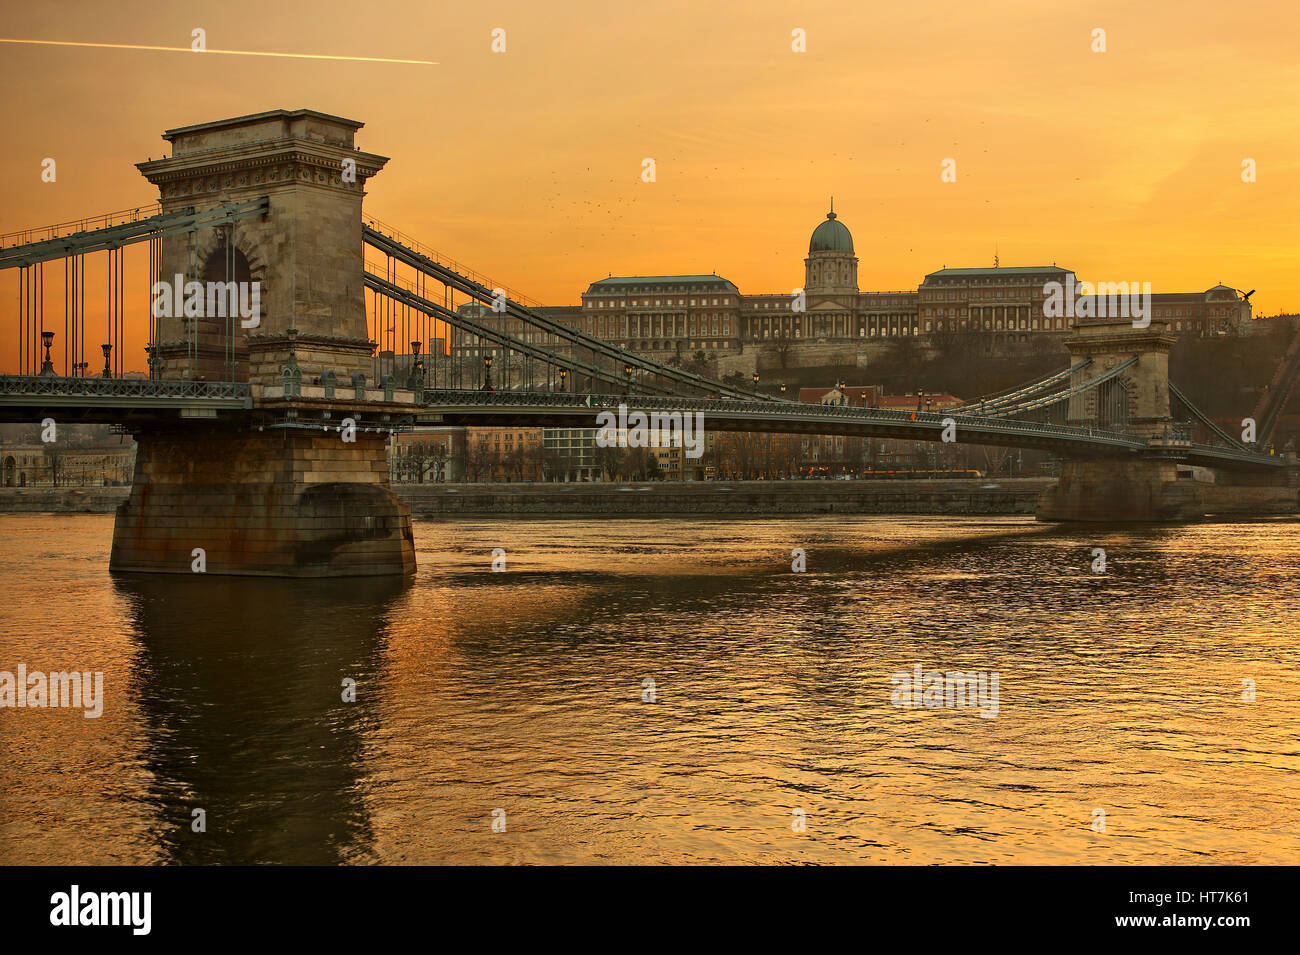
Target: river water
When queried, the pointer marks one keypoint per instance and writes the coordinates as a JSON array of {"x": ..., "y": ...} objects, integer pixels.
[{"x": 770, "y": 711}]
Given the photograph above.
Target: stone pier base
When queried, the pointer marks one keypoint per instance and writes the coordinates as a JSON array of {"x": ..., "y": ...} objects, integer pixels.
[
  {"x": 278, "y": 503},
  {"x": 1114, "y": 490}
]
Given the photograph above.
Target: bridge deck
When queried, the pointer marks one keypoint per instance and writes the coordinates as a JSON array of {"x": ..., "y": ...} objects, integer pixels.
[
  {"x": 26, "y": 398},
  {"x": 787, "y": 417}
]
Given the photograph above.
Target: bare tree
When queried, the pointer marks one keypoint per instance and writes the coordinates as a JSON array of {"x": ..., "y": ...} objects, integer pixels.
[
  {"x": 608, "y": 460},
  {"x": 479, "y": 460}
]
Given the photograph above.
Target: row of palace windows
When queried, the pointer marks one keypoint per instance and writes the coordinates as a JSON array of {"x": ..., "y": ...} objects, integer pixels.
[
  {"x": 778, "y": 303},
  {"x": 1012, "y": 294},
  {"x": 666, "y": 345},
  {"x": 862, "y": 332},
  {"x": 782, "y": 303},
  {"x": 658, "y": 302},
  {"x": 679, "y": 325},
  {"x": 661, "y": 288},
  {"x": 1020, "y": 310},
  {"x": 993, "y": 280},
  {"x": 1022, "y": 324}
]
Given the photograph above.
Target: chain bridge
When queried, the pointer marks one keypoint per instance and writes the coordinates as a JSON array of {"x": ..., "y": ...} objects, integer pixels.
[{"x": 262, "y": 427}]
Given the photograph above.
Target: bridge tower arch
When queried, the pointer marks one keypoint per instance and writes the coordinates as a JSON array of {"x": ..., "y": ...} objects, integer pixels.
[{"x": 217, "y": 349}]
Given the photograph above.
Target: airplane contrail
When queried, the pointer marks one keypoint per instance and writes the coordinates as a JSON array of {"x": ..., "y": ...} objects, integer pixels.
[{"x": 186, "y": 49}]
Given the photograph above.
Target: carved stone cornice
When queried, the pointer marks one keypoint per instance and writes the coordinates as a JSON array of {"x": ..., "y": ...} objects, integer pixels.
[
  {"x": 1123, "y": 344},
  {"x": 268, "y": 341},
  {"x": 247, "y": 166}
]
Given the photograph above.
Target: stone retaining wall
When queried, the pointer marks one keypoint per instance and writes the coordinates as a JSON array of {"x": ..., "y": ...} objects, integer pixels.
[
  {"x": 1011, "y": 496},
  {"x": 1017, "y": 496},
  {"x": 62, "y": 500}
]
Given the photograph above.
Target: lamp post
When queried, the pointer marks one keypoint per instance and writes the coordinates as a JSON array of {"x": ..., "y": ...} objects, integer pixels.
[
  {"x": 415, "y": 380},
  {"x": 108, "y": 350},
  {"x": 487, "y": 372},
  {"x": 627, "y": 370},
  {"x": 755, "y": 377},
  {"x": 47, "y": 366},
  {"x": 935, "y": 454},
  {"x": 783, "y": 387},
  {"x": 564, "y": 374}
]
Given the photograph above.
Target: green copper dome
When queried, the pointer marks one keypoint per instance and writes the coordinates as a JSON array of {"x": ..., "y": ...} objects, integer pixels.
[{"x": 831, "y": 236}]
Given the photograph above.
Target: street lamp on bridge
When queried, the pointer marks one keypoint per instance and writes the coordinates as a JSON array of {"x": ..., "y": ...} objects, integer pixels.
[
  {"x": 415, "y": 380},
  {"x": 564, "y": 374},
  {"x": 47, "y": 366},
  {"x": 487, "y": 372},
  {"x": 153, "y": 361},
  {"x": 108, "y": 350},
  {"x": 627, "y": 370}
]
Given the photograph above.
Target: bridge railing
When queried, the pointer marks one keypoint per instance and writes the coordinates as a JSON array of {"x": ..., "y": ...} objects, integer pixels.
[
  {"x": 92, "y": 387},
  {"x": 787, "y": 409},
  {"x": 74, "y": 226}
]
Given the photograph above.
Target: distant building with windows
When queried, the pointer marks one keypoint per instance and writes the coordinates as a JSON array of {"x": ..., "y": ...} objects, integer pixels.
[
  {"x": 999, "y": 301},
  {"x": 659, "y": 313},
  {"x": 569, "y": 454},
  {"x": 53, "y": 465},
  {"x": 427, "y": 455},
  {"x": 682, "y": 314}
]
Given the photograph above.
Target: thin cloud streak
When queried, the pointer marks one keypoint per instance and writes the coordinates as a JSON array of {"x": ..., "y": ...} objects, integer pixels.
[{"x": 186, "y": 49}]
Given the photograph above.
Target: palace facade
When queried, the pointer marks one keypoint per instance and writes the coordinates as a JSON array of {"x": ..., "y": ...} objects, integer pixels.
[{"x": 683, "y": 314}]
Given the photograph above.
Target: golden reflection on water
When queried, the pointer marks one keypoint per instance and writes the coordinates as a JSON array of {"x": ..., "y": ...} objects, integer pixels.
[{"x": 522, "y": 691}]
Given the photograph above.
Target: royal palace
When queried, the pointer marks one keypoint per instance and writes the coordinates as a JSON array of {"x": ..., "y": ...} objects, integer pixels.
[{"x": 682, "y": 314}]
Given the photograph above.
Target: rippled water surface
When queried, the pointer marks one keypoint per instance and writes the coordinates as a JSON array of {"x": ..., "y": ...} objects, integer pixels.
[{"x": 523, "y": 691}]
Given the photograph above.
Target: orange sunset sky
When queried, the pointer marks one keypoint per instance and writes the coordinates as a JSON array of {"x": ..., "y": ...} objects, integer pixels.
[{"x": 526, "y": 165}]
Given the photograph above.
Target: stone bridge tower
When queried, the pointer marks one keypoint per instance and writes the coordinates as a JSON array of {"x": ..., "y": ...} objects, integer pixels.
[
  {"x": 1128, "y": 486},
  {"x": 305, "y": 253},
  {"x": 297, "y": 485},
  {"x": 1137, "y": 400}
]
